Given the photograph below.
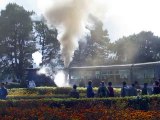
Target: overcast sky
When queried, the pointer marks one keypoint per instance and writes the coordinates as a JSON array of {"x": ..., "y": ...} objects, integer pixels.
[{"x": 123, "y": 17}]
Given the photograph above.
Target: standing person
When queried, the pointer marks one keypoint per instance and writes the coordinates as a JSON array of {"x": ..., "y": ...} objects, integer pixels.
[
  {"x": 156, "y": 88},
  {"x": 90, "y": 93},
  {"x": 124, "y": 89},
  {"x": 32, "y": 84},
  {"x": 110, "y": 90},
  {"x": 145, "y": 89},
  {"x": 137, "y": 86},
  {"x": 133, "y": 91},
  {"x": 102, "y": 90},
  {"x": 3, "y": 92},
  {"x": 74, "y": 93}
]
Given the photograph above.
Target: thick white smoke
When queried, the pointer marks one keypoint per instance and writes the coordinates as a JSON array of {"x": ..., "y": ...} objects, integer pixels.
[
  {"x": 61, "y": 79},
  {"x": 72, "y": 16},
  {"x": 37, "y": 58}
]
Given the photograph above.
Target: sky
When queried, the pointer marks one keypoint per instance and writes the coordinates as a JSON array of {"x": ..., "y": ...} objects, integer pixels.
[{"x": 122, "y": 17}]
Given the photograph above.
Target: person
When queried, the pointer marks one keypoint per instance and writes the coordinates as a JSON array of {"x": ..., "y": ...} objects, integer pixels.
[
  {"x": 156, "y": 88},
  {"x": 90, "y": 93},
  {"x": 102, "y": 90},
  {"x": 145, "y": 89},
  {"x": 3, "y": 92},
  {"x": 137, "y": 86},
  {"x": 32, "y": 84},
  {"x": 110, "y": 90},
  {"x": 124, "y": 89},
  {"x": 133, "y": 91},
  {"x": 74, "y": 93}
]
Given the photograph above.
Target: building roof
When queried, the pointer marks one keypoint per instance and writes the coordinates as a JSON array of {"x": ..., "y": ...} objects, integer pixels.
[{"x": 117, "y": 66}]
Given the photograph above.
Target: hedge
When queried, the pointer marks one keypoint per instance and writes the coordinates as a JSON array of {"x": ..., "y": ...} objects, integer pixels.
[
  {"x": 52, "y": 91},
  {"x": 144, "y": 102}
]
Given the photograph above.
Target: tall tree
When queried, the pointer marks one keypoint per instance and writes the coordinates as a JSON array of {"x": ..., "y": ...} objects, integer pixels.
[
  {"x": 94, "y": 51},
  {"x": 16, "y": 40},
  {"x": 137, "y": 48},
  {"x": 47, "y": 38}
]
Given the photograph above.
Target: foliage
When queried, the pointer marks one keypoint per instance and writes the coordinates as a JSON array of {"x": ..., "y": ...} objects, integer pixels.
[
  {"x": 47, "y": 39},
  {"x": 49, "y": 91},
  {"x": 16, "y": 41},
  {"x": 96, "y": 112},
  {"x": 94, "y": 50},
  {"x": 88, "y": 102},
  {"x": 137, "y": 48},
  {"x": 13, "y": 85},
  {"x": 81, "y": 109}
]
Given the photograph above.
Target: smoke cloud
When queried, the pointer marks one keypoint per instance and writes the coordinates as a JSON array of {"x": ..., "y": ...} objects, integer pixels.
[
  {"x": 72, "y": 16},
  {"x": 37, "y": 58}
]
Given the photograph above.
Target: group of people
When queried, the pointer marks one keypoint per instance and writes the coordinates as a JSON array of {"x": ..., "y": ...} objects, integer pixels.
[
  {"x": 104, "y": 91},
  {"x": 136, "y": 89},
  {"x": 3, "y": 91}
]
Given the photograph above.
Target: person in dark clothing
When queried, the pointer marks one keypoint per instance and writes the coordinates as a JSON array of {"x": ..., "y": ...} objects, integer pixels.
[
  {"x": 74, "y": 93},
  {"x": 3, "y": 92},
  {"x": 137, "y": 86},
  {"x": 124, "y": 89},
  {"x": 102, "y": 90},
  {"x": 145, "y": 89},
  {"x": 156, "y": 88},
  {"x": 133, "y": 91},
  {"x": 110, "y": 90},
  {"x": 90, "y": 93}
]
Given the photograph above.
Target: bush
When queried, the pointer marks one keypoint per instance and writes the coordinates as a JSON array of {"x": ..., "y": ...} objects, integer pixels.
[
  {"x": 35, "y": 110},
  {"x": 139, "y": 103},
  {"x": 51, "y": 91},
  {"x": 13, "y": 85},
  {"x": 144, "y": 103}
]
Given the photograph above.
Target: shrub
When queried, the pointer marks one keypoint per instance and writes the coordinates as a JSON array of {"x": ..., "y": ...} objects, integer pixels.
[
  {"x": 46, "y": 91},
  {"x": 13, "y": 85},
  {"x": 144, "y": 103},
  {"x": 78, "y": 113}
]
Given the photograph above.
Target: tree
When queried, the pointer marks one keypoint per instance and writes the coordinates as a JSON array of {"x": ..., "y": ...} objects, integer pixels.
[
  {"x": 16, "y": 40},
  {"x": 47, "y": 38},
  {"x": 94, "y": 51},
  {"x": 137, "y": 48}
]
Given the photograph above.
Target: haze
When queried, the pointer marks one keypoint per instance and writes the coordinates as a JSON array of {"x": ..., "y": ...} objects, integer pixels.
[{"x": 123, "y": 17}]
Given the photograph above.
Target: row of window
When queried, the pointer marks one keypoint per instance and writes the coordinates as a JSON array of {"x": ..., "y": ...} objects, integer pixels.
[{"x": 137, "y": 74}]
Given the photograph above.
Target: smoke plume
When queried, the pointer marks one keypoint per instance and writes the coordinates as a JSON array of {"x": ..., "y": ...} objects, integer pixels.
[{"x": 71, "y": 15}]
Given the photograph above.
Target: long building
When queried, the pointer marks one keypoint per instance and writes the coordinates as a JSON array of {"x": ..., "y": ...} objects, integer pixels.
[{"x": 141, "y": 72}]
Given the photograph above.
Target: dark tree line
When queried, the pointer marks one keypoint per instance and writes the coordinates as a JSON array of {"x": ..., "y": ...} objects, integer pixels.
[
  {"x": 19, "y": 38},
  {"x": 137, "y": 48}
]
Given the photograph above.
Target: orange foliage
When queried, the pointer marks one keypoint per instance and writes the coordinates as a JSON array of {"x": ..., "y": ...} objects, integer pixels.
[{"x": 97, "y": 112}]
